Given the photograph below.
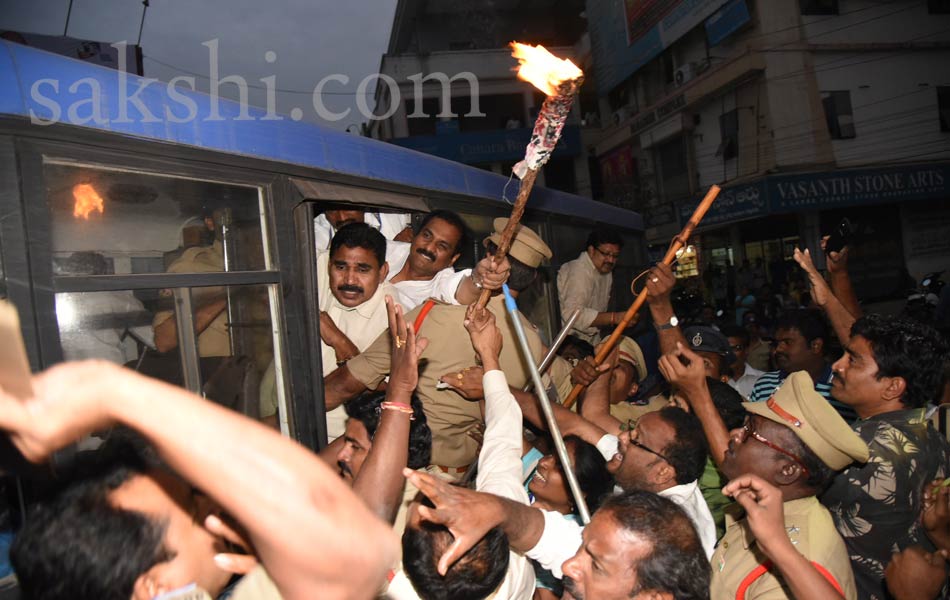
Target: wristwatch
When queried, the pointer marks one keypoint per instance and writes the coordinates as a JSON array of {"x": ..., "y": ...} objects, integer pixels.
[{"x": 671, "y": 325}]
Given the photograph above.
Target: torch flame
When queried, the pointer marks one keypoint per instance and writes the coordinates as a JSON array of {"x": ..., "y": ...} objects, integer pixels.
[
  {"x": 87, "y": 200},
  {"x": 542, "y": 69}
]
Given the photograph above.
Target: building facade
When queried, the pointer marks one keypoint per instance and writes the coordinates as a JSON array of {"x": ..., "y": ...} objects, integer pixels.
[
  {"x": 804, "y": 112},
  {"x": 448, "y": 86}
]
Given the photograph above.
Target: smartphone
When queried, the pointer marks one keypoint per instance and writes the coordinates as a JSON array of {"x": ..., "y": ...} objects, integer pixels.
[{"x": 840, "y": 237}]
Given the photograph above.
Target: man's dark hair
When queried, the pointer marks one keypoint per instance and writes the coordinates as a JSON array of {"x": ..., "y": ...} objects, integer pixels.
[
  {"x": 365, "y": 408},
  {"x": 452, "y": 219},
  {"x": 476, "y": 575},
  {"x": 676, "y": 563},
  {"x": 590, "y": 468},
  {"x": 806, "y": 321},
  {"x": 908, "y": 349},
  {"x": 728, "y": 403},
  {"x": 77, "y": 544},
  {"x": 820, "y": 475},
  {"x": 687, "y": 451},
  {"x": 604, "y": 235},
  {"x": 736, "y": 332},
  {"x": 360, "y": 235},
  {"x": 584, "y": 348},
  {"x": 521, "y": 275}
]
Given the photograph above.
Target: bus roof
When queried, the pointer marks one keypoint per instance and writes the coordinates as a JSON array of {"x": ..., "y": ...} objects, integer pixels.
[{"x": 42, "y": 85}]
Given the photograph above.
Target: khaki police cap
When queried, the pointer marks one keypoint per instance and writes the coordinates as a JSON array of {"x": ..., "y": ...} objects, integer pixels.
[
  {"x": 630, "y": 351},
  {"x": 527, "y": 247},
  {"x": 799, "y": 407}
]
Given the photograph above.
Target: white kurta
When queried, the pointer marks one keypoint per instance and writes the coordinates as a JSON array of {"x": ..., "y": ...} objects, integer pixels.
[
  {"x": 499, "y": 473},
  {"x": 442, "y": 287},
  {"x": 361, "y": 324},
  {"x": 580, "y": 285}
]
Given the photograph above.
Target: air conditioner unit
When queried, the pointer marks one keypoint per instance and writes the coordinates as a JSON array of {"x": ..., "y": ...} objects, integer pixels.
[{"x": 684, "y": 73}]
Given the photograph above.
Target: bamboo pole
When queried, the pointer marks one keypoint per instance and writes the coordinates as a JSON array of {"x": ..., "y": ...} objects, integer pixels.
[{"x": 678, "y": 242}]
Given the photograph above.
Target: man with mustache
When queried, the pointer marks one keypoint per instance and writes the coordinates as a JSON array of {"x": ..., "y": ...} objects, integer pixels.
[
  {"x": 788, "y": 451},
  {"x": 451, "y": 417},
  {"x": 800, "y": 337},
  {"x": 423, "y": 269},
  {"x": 584, "y": 283},
  {"x": 351, "y": 287}
]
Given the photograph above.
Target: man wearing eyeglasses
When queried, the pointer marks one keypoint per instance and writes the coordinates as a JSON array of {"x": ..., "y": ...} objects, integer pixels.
[
  {"x": 585, "y": 283},
  {"x": 788, "y": 451}
]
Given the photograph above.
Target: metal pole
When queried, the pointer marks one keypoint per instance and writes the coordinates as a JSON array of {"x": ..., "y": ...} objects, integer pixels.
[
  {"x": 552, "y": 351},
  {"x": 542, "y": 395},
  {"x": 223, "y": 222}
]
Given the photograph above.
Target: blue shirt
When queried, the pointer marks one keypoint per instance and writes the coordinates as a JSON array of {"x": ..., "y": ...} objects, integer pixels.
[{"x": 770, "y": 381}]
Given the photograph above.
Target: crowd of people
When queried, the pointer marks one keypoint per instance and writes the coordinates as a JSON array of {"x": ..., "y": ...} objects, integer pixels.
[{"x": 782, "y": 455}]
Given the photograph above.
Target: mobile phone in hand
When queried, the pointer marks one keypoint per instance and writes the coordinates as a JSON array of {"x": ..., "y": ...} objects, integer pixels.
[{"x": 840, "y": 237}]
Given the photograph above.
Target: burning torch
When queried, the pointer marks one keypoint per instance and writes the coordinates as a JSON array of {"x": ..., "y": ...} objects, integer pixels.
[{"x": 559, "y": 79}]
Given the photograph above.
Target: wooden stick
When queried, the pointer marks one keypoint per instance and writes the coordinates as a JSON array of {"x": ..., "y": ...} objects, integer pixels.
[
  {"x": 678, "y": 242},
  {"x": 508, "y": 235}
]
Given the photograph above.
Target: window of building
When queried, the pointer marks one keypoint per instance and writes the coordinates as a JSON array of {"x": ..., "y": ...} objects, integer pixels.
[
  {"x": 819, "y": 7},
  {"x": 729, "y": 134},
  {"x": 943, "y": 106},
  {"x": 938, "y": 7},
  {"x": 838, "y": 114},
  {"x": 672, "y": 168}
]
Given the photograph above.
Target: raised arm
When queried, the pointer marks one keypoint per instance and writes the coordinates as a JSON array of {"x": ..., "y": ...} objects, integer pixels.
[
  {"x": 763, "y": 505},
  {"x": 840, "y": 279},
  {"x": 469, "y": 515},
  {"x": 684, "y": 369},
  {"x": 660, "y": 283},
  {"x": 596, "y": 405},
  {"x": 299, "y": 515},
  {"x": 486, "y": 275},
  {"x": 569, "y": 422},
  {"x": 841, "y": 320},
  {"x": 380, "y": 482}
]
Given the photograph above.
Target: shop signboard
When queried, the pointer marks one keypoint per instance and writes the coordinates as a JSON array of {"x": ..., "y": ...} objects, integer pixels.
[
  {"x": 807, "y": 191},
  {"x": 734, "y": 203}
]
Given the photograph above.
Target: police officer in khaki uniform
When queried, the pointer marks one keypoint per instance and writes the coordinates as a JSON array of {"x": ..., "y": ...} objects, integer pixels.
[
  {"x": 797, "y": 443},
  {"x": 451, "y": 417},
  {"x": 210, "y": 315}
]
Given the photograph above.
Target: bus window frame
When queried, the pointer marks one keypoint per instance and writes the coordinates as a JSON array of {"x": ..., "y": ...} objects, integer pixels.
[{"x": 32, "y": 155}]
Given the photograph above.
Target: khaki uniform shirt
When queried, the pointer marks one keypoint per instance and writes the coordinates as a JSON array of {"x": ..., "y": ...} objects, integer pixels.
[
  {"x": 256, "y": 585},
  {"x": 215, "y": 340},
  {"x": 449, "y": 415},
  {"x": 812, "y": 531}
]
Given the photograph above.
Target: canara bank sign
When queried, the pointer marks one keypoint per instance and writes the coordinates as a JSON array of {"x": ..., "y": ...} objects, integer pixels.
[{"x": 830, "y": 189}]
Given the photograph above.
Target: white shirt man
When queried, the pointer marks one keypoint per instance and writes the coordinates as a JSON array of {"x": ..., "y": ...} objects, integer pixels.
[
  {"x": 584, "y": 283},
  {"x": 499, "y": 473}
]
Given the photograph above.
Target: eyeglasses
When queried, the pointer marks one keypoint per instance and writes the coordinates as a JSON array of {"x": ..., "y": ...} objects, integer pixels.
[
  {"x": 748, "y": 430},
  {"x": 613, "y": 255},
  {"x": 631, "y": 426}
]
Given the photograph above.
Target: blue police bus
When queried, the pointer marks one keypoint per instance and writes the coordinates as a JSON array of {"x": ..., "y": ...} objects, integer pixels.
[{"x": 101, "y": 191}]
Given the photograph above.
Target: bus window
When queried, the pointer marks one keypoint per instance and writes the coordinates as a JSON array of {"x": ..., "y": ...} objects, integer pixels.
[
  {"x": 147, "y": 222},
  {"x": 168, "y": 276}
]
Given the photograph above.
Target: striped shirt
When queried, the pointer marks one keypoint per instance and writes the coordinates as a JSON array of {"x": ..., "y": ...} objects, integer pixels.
[{"x": 770, "y": 381}]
